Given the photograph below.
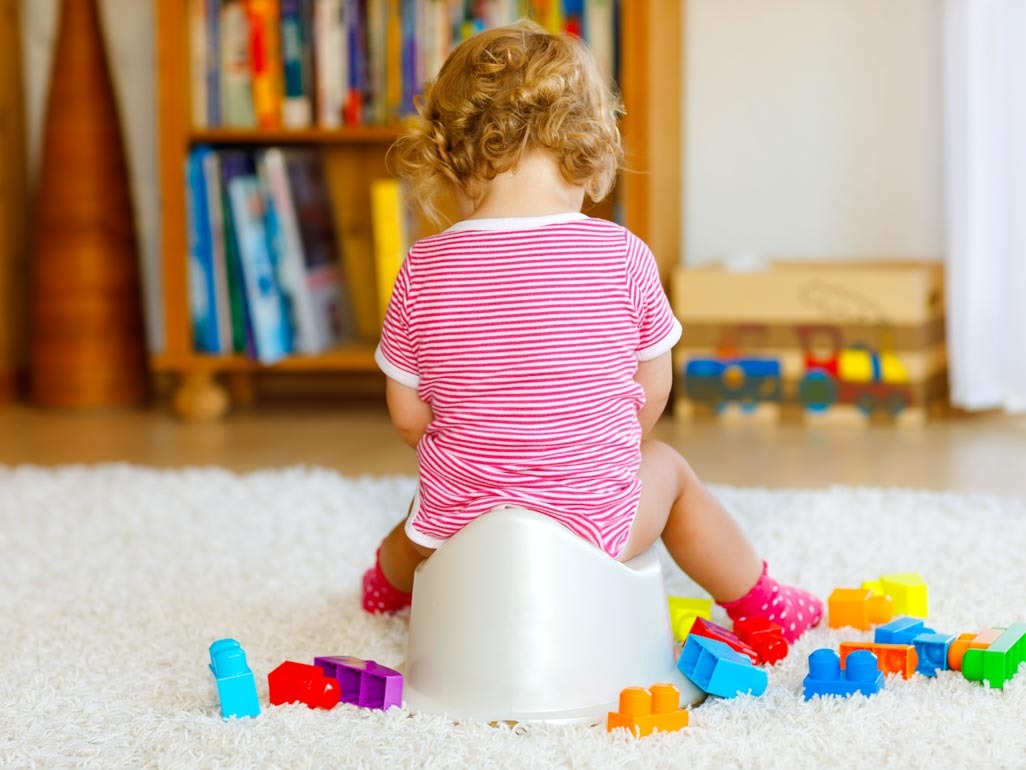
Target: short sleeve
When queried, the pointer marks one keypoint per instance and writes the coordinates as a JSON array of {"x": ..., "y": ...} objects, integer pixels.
[
  {"x": 396, "y": 354},
  {"x": 658, "y": 329}
]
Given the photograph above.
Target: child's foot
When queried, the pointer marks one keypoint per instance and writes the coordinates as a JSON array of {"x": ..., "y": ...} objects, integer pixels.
[
  {"x": 792, "y": 609},
  {"x": 378, "y": 594}
]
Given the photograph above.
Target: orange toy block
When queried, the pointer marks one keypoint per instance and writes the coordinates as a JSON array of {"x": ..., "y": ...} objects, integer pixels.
[
  {"x": 859, "y": 608},
  {"x": 890, "y": 658},
  {"x": 965, "y": 642},
  {"x": 646, "y": 711}
]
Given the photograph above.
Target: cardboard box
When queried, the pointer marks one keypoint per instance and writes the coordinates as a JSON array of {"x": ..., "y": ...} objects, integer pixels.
[{"x": 850, "y": 341}]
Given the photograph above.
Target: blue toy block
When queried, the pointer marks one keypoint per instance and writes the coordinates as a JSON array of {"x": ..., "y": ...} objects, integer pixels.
[
  {"x": 236, "y": 686},
  {"x": 900, "y": 631},
  {"x": 827, "y": 678},
  {"x": 719, "y": 670},
  {"x": 932, "y": 649}
]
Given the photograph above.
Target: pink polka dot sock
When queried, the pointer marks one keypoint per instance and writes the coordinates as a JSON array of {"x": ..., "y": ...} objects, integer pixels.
[
  {"x": 378, "y": 594},
  {"x": 793, "y": 609}
]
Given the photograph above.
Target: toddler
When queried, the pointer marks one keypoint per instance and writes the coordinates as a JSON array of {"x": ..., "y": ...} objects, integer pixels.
[{"x": 527, "y": 347}]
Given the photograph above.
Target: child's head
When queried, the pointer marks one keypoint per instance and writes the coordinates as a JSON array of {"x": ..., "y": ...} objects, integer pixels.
[{"x": 502, "y": 93}]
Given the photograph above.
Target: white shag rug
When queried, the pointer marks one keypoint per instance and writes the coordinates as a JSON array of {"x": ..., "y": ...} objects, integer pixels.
[{"x": 114, "y": 580}]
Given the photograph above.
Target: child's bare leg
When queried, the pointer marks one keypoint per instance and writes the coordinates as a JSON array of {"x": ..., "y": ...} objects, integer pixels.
[
  {"x": 707, "y": 543},
  {"x": 701, "y": 536},
  {"x": 399, "y": 558},
  {"x": 388, "y": 585}
]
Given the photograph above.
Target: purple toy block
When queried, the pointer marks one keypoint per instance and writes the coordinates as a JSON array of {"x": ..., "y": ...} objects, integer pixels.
[{"x": 364, "y": 683}]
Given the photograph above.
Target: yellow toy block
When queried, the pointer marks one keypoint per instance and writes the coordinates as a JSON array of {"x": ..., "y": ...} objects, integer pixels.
[
  {"x": 908, "y": 592},
  {"x": 646, "y": 711},
  {"x": 683, "y": 612}
]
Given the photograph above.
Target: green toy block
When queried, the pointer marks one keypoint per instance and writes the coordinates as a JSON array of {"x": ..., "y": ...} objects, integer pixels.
[
  {"x": 683, "y": 612},
  {"x": 998, "y": 663}
]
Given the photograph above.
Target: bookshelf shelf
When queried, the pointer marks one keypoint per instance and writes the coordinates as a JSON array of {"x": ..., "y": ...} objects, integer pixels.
[
  {"x": 383, "y": 135},
  {"x": 650, "y": 82}
]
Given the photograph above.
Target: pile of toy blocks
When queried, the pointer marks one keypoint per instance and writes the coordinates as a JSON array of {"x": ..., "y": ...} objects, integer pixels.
[
  {"x": 326, "y": 683},
  {"x": 903, "y": 645}
]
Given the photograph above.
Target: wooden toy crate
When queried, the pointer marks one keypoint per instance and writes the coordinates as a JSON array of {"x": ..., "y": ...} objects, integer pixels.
[{"x": 812, "y": 341}]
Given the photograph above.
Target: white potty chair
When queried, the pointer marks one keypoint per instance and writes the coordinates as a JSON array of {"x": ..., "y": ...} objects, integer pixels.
[{"x": 516, "y": 618}]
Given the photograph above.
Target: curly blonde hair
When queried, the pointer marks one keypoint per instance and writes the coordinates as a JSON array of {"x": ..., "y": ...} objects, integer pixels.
[{"x": 501, "y": 93}]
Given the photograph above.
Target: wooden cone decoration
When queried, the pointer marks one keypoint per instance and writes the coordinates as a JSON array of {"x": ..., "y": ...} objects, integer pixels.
[{"x": 87, "y": 344}]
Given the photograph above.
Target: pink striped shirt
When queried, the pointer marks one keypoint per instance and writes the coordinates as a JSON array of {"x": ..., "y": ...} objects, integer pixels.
[{"x": 524, "y": 336}]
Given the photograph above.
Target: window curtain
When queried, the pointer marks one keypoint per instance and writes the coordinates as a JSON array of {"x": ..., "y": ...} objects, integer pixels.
[{"x": 985, "y": 136}]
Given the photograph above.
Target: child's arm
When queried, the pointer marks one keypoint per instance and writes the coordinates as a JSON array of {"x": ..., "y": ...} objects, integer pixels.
[
  {"x": 656, "y": 379},
  {"x": 410, "y": 415}
]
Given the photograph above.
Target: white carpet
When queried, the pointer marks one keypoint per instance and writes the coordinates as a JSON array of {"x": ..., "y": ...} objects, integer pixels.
[{"x": 114, "y": 580}]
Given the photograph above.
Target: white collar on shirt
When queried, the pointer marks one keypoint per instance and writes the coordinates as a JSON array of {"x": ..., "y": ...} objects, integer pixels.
[{"x": 516, "y": 223}]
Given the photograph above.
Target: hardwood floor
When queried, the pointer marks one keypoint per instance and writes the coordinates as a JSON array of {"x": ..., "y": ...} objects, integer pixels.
[{"x": 969, "y": 454}]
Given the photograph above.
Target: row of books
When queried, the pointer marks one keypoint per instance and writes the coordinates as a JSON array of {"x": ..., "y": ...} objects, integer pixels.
[
  {"x": 265, "y": 275},
  {"x": 294, "y": 63}
]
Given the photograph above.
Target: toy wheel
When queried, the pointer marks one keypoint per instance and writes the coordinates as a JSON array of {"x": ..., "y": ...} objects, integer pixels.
[
  {"x": 817, "y": 391},
  {"x": 895, "y": 404},
  {"x": 866, "y": 403}
]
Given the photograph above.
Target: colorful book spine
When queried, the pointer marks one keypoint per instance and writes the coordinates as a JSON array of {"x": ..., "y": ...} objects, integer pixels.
[
  {"x": 391, "y": 238},
  {"x": 353, "y": 14},
  {"x": 202, "y": 292},
  {"x": 222, "y": 304},
  {"x": 198, "y": 62},
  {"x": 295, "y": 44},
  {"x": 215, "y": 115},
  {"x": 235, "y": 163},
  {"x": 408, "y": 56},
  {"x": 393, "y": 60},
  {"x": 236, "y": 79},
  {"x": 268, "y": 312},
  {"x": 265, "y": 61},
  {"x": 328, "y": 46}
]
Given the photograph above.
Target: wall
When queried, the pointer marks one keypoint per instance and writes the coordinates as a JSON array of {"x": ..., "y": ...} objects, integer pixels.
[
  {"x": 128, "y": 28},
  {"x": 813, "y": 128}
]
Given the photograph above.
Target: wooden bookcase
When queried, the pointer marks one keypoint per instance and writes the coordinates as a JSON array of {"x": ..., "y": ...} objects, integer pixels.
[{"x": 649, "y": 192}]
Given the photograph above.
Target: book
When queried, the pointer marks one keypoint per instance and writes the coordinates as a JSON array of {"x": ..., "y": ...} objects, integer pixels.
[
  {"x": 329, "y": 62},
  {"x": 202, "y": 292},
  {"x": 198, "y": 62},
  {"x": 599, "y": 32},
  {"x": 391, "y": 237},
  {"x": 265, "y": 61},
  {"x": 236, "y": 80},
  {"x": 309, "y": 262},
  {"x": 355, "y": 65},
  {"x": 219, "y": 267},
  {"x": 268, "y": 312},
  {"x": 295, "y": 48},
  {"x": 235, "y": 163}
]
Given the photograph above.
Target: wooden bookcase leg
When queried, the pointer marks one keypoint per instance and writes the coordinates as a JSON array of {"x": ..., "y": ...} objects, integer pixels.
[
  {"x": 241, "y": 388},
  {"x": 200, "y": 397}
]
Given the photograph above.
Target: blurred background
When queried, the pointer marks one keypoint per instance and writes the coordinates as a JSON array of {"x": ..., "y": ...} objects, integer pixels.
[{"x": 832, "y": 189}]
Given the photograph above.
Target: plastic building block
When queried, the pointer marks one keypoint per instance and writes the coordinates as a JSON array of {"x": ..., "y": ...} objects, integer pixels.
[
  {"x": 890, "y": 658},
  {"x": 763, "y": 636},
  {"x": 643, "y": 712},
  {"x": 932, "y": 649},
  {"x": 900, "y": 631},
  {"x": 980, "y": 641},
  {"x": 718, "y": 669},
  {"x": 710, "y": 630},
  {"x": 236, "y": 687},
  {"x": 826, "y": 677},
  {"x": 683, "y": 612},
  {"x": 908, "y": 592},
  {"x": 292, "y": 682},
  {"x": 859, "y": 608},
  {"x": 364, "y": 683},
  {"x": 999, "y": 662}
]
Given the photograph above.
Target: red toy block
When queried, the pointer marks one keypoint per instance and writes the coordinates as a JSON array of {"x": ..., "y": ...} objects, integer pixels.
[
  {"x": 710, "y": 630},
  {"x": 859, "y": 608},
  {"x": 763, "y": 636},
  {"x": 643, "y": 712},
  {"x": 295, "y": 682},
  {"x": 890, "y": 658}
]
